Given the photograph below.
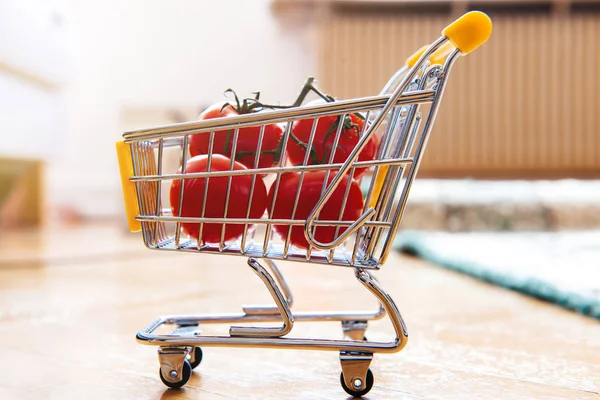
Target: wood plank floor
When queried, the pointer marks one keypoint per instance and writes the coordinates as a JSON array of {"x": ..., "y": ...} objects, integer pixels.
[{"x": 72, "y": 300}]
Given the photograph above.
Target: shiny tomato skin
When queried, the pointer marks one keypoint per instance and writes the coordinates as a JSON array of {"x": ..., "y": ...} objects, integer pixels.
[
  {"x": 310, "y": 193},
  {"x": 324, "y": 140},
  {"x": 193, "y": 196},
  {"x": 247, "y": 142}
]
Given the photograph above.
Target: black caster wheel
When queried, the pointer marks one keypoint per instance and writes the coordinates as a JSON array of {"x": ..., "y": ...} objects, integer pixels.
[
  {"x": 186, "y": 374},
  {"x": 358, "y": 393},
  {"x": 197, "y": 357}
]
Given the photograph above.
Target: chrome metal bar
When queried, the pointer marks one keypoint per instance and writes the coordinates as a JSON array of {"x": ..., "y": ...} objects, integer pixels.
[
  {"x": 353, "y": 156},
  {"x": 402, "y": 148},
  {"x": 396, "y": 175},
  {"x": 261, "y": 135},
  {"x": 275, "y": 252},
  {"x": 261, "y": 171},
  {"x": 147, "y": 337},
  {"x": 289, "y": 299},
  {"x": 419, "y": 152},
  {"x": 269, "y": 316},
  {"x": 211, "y": 142},
  {"x": 334, "y": 146},
  {"x": 275, "y": 116},
  {"x": 280, "y": 301},
  {"x": 264, "y": 221},
  {"x": 157, "y": 205},
  {"x": 134, "y": 149},
  {"x": 285, "y": 289},
  {"x": 369, "y": 192},
  {"x": 145, "y": 161},
  {"x": 387, "y": 302},
  {"x": 227, "y": 194},
  {"x": 390, "y": 135},
  {"x": 311, "y": 139},
  {"x": 342, "y": 208},
  {"x": 286, "y": 136},
  {"x": 334, "y": 149},
  {"x": 407, "y": 133},
  {"x": 183, "y": 167}
]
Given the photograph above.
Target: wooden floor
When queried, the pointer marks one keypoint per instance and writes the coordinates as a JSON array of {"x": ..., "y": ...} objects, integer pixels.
[{"x": 72, "y": 300}]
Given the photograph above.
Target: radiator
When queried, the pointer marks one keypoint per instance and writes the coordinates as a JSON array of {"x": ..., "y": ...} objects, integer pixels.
[{"x": 525, "y": 105}]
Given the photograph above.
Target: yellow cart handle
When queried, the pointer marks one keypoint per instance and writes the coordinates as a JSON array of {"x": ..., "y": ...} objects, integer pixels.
[
  {"x": 469, "y": 31},
  {"x": 132, "y": 208}
]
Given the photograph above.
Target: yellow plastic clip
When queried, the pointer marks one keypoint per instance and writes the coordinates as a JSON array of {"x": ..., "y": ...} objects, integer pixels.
[
  {"x": 129, "y": 192},
  {"x": 469, "y": 31},
  {"x": 379, "y": 178},
  {"x": 438, "y": 56},
  {"x": 412, "y": 60}
]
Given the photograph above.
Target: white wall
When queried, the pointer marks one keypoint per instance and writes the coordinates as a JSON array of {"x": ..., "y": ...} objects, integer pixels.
[
  {"x": 34, "y": 64},
  {"x": 161, "y": 53}
]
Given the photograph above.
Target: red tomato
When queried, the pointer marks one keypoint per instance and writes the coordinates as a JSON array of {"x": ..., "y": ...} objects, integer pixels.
[
  {"x": 247, "y": 143},
  {"x": 193, "y": 196},
  {"x": 324, "y": 140},
  {"x": 310, "y": 193}
]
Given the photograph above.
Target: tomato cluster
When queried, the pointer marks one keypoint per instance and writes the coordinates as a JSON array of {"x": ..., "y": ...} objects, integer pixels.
[
  {"x": 257, "y": 148},
  {"x": 247, "y": 143},
  {"x": 323, "y": 144}
]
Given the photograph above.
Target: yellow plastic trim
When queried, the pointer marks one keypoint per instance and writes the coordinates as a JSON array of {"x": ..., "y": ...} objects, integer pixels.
[
  {"x": 129, "y": 192},
  {"x": 412, "y": 60},
  {"x": 379, "y": 178},
  {"x": 439, "y": 56},
  {"x": 469, "y": 31}
]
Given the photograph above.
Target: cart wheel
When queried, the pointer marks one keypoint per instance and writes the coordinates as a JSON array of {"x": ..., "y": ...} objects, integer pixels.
[
  {"x": 197, "y": 359},
  {"x": 358, "y": 393},
  {"x": 186, "y": 374}
]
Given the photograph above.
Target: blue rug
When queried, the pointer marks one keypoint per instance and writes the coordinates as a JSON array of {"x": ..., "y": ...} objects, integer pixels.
[{"x": 559, "y": 267}]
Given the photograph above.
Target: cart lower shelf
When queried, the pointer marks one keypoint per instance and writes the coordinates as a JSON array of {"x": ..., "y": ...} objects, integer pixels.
[{"x": 180, "y": 351}]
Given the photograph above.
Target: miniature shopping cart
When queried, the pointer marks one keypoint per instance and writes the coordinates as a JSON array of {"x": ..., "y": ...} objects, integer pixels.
[{"x": 402, "y": 116}]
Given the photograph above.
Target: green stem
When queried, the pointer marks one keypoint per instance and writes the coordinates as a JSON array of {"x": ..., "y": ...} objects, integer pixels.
[
  {"x": 227, "y": 141},
  {"x": 313, "y": 154}
]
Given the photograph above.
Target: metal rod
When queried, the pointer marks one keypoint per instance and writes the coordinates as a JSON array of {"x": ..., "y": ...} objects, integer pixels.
[
  {"x": 279, "y": 171},
  {"x": 407, "y": 132},
  {"x": 275, "y": 116},
  {"x": 354, "y": 154},
  {"x": 261, "y": 171},
  {"x": 157, "y": 206},
  {"x": 261, "y": 135},
  {"x": 289, "y": 299},
  {"x": 280, "y": 301},
  {"x": 419, "y": 152},
  {"x": 184, "y": 151},
  {"x": 147, "y": 337},
  {"x": 269, "y": 316},
  {"x": 231, "y": 165},
  {"x": 265, "y": 221},
  {"x": 211, "y": 141},
  {"x": 311, "y": 139},
  {"x": 334, "y": 146}
]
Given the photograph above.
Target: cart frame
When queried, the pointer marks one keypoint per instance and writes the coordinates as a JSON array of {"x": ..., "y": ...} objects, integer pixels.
[{"x": 395, "y": 111}]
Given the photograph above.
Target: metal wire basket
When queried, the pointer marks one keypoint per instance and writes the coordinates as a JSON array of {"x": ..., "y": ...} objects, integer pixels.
[{"x": 331, "y": 203}]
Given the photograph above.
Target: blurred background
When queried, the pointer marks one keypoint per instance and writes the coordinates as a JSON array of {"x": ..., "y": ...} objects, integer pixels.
[
  {"x": 508, "y": 193},
  {"x": 516, "y": 139}
]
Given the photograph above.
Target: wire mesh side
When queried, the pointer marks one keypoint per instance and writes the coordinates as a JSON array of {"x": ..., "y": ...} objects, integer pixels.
[{"x": 269, "y": 235}]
